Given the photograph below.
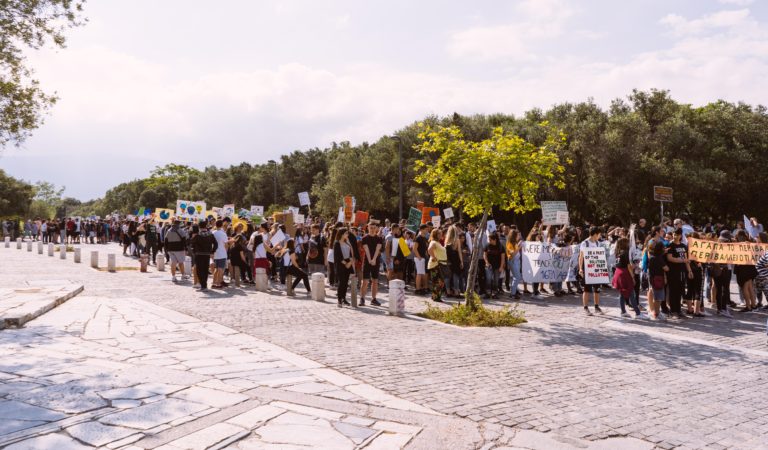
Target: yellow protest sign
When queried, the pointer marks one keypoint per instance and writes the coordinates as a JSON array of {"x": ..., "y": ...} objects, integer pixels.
[
  {"x": 404, "y": 247},
  {"x": 739, "y": 253},
  {"x": 164, "y": 214}
]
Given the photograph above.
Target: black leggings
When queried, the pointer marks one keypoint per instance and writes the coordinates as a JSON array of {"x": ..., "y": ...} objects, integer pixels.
[
  {"x": 298, "y": 275},
  {"x": 201, "y": 267},
  {"x": 342, "y": 277},
  {"x": 722, "y": 291}
]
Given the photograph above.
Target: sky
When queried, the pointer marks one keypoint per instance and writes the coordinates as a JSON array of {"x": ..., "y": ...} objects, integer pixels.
[{"x": 146, "y": 82}]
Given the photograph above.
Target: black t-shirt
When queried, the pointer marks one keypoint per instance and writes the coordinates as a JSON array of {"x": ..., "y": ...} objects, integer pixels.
[
  {"x": 494, "y": 255},
  {"x": 317, "y": 242},
  {"x": 677, "y": 251},
  {"x": 370, "y": 242},
  {"x": 422, "y": 245}
]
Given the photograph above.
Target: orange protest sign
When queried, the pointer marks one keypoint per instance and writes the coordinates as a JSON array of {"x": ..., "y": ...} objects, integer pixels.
[
  {"x": 428, "y": 212},
  {"x": 349, "y": 208},
  {"x": 739, "y": 253},
  {"x": 361, "y": 218}
]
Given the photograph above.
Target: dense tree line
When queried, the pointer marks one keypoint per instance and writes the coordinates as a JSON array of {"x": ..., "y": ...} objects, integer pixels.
[{"x": 713, "y": 156}]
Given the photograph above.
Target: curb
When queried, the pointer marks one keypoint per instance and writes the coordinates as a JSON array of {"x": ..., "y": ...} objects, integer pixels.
[{"x": 17, "y": 321}]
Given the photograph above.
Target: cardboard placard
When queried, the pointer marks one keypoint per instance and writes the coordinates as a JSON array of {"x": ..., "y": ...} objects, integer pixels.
[
  {"x": 414, "y": 220},
  {"x": 427, "y": 213},
  {"x": 257, "y": 209},
  {"x": 448, "y": 213},
  {"x": 545, "y": 263},
  {"x": 595, "y": 266},
  {"x": 549, "y": 212},
  {"x": 738, "y": 253}
]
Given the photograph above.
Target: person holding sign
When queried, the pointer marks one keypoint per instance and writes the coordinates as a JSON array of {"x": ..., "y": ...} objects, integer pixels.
[
  {"x": 372, "y": 245},
  {"x": 589, "y": 288},
  {"x": 679, "y": 272}
]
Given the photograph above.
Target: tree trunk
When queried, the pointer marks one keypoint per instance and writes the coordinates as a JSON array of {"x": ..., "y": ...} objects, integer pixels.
[{"x": 472, "y": 275}]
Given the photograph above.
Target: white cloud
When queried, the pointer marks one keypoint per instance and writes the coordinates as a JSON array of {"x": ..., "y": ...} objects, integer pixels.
[
  {"x": 538, "y": 20},
  {"x": 737, "y": 2},
  {"x": 719, "y": 20}
]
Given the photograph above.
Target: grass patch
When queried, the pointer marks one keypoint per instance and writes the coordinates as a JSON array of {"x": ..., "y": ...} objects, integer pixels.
[{"x": 474, "y": 314}]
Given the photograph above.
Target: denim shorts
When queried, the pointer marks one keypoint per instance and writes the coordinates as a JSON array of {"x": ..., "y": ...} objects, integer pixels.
[
  {"x": 658, "y": 295},
  {"x": 220, "y": 263}
]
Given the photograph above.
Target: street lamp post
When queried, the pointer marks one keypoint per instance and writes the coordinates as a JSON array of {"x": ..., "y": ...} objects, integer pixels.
[
  {"x": 271, "y": 161},
  {"x": 400, "y": 171}
]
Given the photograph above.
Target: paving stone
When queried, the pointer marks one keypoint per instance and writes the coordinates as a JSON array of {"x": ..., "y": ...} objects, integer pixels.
[
  {"x": 97, "y": 434},
  {"x": 56, "y": 441},
  {"x": 358, "y": 434},
  {"x": 207, "y": 437},
  {"x": 290, "y": 429},
  {"x": 250, "y": 419},
  {"x": 210, "y": 397},
  {"x": 154, "y": 414}
]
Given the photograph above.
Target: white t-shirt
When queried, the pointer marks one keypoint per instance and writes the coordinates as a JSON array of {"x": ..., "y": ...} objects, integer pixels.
[{"x": 221, "y": 239}]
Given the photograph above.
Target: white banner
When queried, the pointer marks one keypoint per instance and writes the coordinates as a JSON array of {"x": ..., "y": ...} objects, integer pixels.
[
  {"x": 544, "y": 263},
  {"x": 595, "y": 266},
  {"x": 549, "y": 213},
  {"x": 190, "y": 210}
]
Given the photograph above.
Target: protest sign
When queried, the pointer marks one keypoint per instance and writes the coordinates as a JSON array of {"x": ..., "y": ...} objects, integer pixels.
[
  {"x": 287, "y": 220},
  {"x": 419, "y": 205},
  {"x": 361, "y": 218},
  {"x": 228, "y": 211},
  {"x": 595, "y": 266},
  {"x": 739, "y": 253},
  {"x": 190, "y": 210},
  {"x": 340, "y": 217},
  {"x": 277, "y": 238},
  {"x": 427, "y": 213},
  {"x": 544, "y": 263},
  {"x": 304, "y": 198},
  {"x": 414, "y": 220},
  {"x": 563, "y": 218},
  {"x": 549, "y": 212},
  {"x": 349, "y": 208},
  {"x": 244, "y": 213},
  {"x": 448, "y": 213},
  {"x": 490, "y": 226},
  {"x": 436, "y": 221},
  {"x": 662, "y": 194},
  {"x": 404, "y": 247},
  {"x": 163, "y": 214},
  {"x": 257, "y": 209}
]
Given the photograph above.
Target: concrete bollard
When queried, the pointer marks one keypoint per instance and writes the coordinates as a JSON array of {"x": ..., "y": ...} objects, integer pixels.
[
  {"x": 111, "y": 266},
  {"x": 95, "y": 259},
  {"x": 50, "y": 249},
  {"x": 63, "y": 251},
  {"x": 289, "y": 285},
  {"x": 39, "y": 247},
  {"x": 78, "y": 255},
  {"x": 161, "y": 262},
  {"x": 18, "y": 243},
  {"x": 318, "y": 287},
  {"x": 7, "y": 242},
  {"x": 143, "y": 262},
  {"x": 353, "y": 291},
  {"x": 29, "y": 246},
  {"x": 396, "y": 297},
  {"x": 188, "y": 265},
  {"x": 261, "y": 280}
]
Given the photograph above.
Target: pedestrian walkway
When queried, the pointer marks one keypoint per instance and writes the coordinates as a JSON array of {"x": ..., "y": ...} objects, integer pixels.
[{"x": 561, "y": 381}]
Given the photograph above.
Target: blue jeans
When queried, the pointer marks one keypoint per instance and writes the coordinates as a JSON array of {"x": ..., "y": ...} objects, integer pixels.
[
  {"x": 492, "y": 279},
  {"x": 632, "y": 300},
  {"x": 515, "y": 275}
]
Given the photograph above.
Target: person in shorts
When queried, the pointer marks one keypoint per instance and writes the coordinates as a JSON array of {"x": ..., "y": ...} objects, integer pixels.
[
  {"x": 420, "y": 259},
  {"x": 372, "y": 245},
  {"x": 175, "y": 244},
  {"x": 594, "y": 289}
]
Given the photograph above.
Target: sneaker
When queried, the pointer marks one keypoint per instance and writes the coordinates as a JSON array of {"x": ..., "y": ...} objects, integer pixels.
[
  {"x": 196, "y": 286},
  {"x": 174, "y": 279},
  {"x": 626, "y": 315},
  {"x": 727, "y": 314},
  {"x": 587, "y": 311},
  {"x": 345, "y": 302},
  {"x": 517, "y": 296},
  {"x": 662, "y": 316},
  {"x": 339, "y": 305},
  {"x": 362, "y": 302},
  {"x": 598, "y": 310},
  {"x": 375, "y": 302},
  {"x": 641, "y": 316},
  {"x": 202, "y": 289}
]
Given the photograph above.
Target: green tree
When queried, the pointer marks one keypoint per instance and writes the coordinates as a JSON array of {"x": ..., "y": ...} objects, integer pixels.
[
  {"x": 504, "y": 171},
  {"x": 28, "y": 24},
  {"x": 15, "y": 195}
]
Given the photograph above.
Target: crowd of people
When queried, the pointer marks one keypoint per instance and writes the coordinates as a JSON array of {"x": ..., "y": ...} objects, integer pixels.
[{"x": 435, "y": 261}]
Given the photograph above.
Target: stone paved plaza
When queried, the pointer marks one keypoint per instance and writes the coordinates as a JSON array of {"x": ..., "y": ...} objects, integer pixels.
[{"x": 135, "y": 361}]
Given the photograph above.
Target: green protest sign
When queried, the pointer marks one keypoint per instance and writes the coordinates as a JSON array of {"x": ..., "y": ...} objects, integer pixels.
[{"x": 414, "y": 220}]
